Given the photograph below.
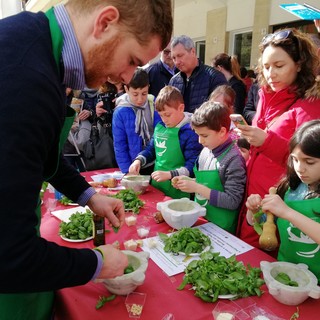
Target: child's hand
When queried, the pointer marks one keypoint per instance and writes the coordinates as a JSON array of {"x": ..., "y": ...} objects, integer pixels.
[
  {"x": 160, "y": 176},
  {"x": 274, "y": 204},
  {"x": 186, "y": 184},
  {"x": 253, "y": 203},
  {"x": 135, "y": 167}
]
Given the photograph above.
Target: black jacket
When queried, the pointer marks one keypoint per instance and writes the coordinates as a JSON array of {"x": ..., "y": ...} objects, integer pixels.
[
  {"x": 159, "y": 77},
  {"x": 198, "y": 87},
  {"x": 251, "y": 105}
]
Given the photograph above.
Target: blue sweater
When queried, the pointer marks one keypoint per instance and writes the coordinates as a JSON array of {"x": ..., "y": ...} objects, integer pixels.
[{"x": 32, "y": 112}]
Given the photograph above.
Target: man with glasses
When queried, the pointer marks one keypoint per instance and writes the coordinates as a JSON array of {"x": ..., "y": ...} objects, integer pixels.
[{"x": 161, "y": 71}]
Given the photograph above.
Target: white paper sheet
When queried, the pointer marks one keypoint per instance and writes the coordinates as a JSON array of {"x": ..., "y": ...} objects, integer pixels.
[
  {"x": 222, "y": 241},
  {"x": 64, "y": 215}
]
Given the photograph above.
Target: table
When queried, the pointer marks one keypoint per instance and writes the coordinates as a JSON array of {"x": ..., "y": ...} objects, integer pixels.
[{"x": 78, "y": 303}]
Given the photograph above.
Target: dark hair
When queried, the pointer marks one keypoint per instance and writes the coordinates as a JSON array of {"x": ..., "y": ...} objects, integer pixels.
[
  {"x": 140, "y": 79},
  {"x": 213, "y": 115},
  {"x": 229, "y": 63},
  {"x": 307, "y": 137},
  {"x": 301, "y": 50},
  {"x": 170, "y": 96},
  {"x": 243, "y": 143}
]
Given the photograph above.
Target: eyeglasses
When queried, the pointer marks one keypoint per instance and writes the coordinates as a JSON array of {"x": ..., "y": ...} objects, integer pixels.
[
  {"x": 166, "y": 52},
  {"x": 277, "y": 37}
]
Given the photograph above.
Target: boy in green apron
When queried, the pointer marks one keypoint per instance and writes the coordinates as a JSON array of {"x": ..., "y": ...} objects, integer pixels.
[
  {"x": 220, "y": 170},
  {"x": 299, "y": 212},
  {"x": 174, "y": 146}
]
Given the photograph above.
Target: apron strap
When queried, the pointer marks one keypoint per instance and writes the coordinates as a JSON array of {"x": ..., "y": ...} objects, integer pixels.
[{"x": 56, "y": 36}]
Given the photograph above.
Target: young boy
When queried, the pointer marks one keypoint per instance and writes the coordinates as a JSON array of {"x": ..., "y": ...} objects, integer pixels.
[
  {"x": 174, "y": 146},
  {"x": 220, "y": 170},
  {"x": 133, "y": 121}
]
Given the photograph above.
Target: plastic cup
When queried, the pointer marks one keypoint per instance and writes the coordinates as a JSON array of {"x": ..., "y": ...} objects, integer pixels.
[{"x": 134, "y": 304}]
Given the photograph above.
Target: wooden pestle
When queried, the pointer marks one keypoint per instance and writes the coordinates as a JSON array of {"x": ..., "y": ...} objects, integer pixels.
[{"x": 268, "y": 239}]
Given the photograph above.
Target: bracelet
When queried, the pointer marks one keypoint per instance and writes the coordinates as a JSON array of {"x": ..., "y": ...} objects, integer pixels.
[{"x": 97, "y": 249}]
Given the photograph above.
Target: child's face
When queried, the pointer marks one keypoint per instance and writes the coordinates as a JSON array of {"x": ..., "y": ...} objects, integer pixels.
[
  {"x": 171, "y": 116},
  {"x": 138, "y": 96},
  {"x": 306, "y": 167},
  {"x": 211, "y": 138}
]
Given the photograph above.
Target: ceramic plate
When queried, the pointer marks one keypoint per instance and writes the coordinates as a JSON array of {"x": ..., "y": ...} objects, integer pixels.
[
  {"x": 78, "y": 240},
  {"x": 73, "y": 204},
  {"x": 227, "y": 296},
  {"x": 195, "y": 254}
]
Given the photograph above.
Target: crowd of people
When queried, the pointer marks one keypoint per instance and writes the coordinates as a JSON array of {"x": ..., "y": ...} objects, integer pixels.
[{"x": 170, "y": 120}]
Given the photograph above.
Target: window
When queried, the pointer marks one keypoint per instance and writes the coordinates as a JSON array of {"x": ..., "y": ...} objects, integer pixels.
[
  {"x": 241, "y": 47},
  {"x": 201, "y": 50}
]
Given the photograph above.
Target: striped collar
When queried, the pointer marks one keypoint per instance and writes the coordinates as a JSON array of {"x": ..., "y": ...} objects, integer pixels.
[{"x": 71, "y": 55}]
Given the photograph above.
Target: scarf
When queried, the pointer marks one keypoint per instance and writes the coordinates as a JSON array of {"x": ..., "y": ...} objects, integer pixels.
[{"x": 144, "y": 116}]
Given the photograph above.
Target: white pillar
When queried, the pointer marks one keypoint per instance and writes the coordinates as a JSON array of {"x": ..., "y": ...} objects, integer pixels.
[{"x": 9, "y": 7}]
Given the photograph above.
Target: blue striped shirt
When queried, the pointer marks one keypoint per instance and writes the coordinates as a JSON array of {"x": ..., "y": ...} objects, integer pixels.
[{"x": 71, "y": 55}]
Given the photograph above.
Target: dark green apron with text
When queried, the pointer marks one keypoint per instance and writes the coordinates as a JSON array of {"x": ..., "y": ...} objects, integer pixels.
[
  {"x": 295, "y": 246},
  {"x": 224, "y": 218},
  {"x": 168, "y": 157},
  {"x": 38, "y": 305}
]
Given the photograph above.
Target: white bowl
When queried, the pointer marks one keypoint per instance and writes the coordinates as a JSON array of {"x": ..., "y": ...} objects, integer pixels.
[
  {"x": 127, "y": 283},
  {"x": 179, "y": 213},
  {"x": 307, "y": 282},
  {"x": 138, "y": 183}
]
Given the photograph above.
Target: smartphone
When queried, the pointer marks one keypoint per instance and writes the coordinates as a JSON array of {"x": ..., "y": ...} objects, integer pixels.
[{"x": 238, "y": 119}]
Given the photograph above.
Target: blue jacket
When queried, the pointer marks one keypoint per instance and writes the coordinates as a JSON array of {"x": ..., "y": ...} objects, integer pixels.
[
  {"x": 159, "y": 77},
  {"x": 197, "y": 89},
  {"x": 127, "y": 143}
]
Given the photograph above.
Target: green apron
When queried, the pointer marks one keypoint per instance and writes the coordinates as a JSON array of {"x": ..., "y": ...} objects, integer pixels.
[
  {"x": 168, "y": 157},
  {"x": 224, "y": 218},
  {"x": 295, "y": 246},
  {"x": 38, "y": 305}
]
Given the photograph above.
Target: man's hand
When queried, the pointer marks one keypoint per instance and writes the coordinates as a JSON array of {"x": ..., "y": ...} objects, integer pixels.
[
  {"x": 114, "y": 262},
  {"x": 110, "y": 208}
]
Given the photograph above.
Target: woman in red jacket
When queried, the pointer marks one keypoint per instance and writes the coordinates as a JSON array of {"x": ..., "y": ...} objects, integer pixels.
[{"x": 289, "y": 96}]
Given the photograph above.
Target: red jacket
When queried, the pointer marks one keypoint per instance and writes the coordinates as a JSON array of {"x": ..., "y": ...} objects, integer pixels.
[{"x": 280, "y": 115}]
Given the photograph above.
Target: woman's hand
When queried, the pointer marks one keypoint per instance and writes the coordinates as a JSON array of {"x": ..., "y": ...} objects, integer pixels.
[
  {"x": 254, "y": 135},
  {"x": 99, "y": 109},
  {"x": 84, "y": 114}
]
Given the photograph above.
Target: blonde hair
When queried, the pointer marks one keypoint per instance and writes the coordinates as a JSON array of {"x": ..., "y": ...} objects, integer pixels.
[
  {"x": 143, "y": 18},
  {"x": 170, "y": 96}
]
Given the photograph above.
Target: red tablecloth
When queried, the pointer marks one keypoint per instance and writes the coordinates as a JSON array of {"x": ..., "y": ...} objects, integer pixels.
[{"x": 78, "y": 303}]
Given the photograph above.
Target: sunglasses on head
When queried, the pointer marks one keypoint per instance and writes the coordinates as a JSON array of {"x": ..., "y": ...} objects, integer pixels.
[{"x": 277, "y": 37}]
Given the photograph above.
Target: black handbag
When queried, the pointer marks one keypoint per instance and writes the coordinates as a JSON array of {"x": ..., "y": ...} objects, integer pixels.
[{"x": 98, "y": 152}]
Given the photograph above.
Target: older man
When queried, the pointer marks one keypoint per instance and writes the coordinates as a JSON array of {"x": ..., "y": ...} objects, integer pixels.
[
  {"x": 195, "y": 80},
  {"x": 161, "y": 71},
  {"x": 73, "y": 45}
]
